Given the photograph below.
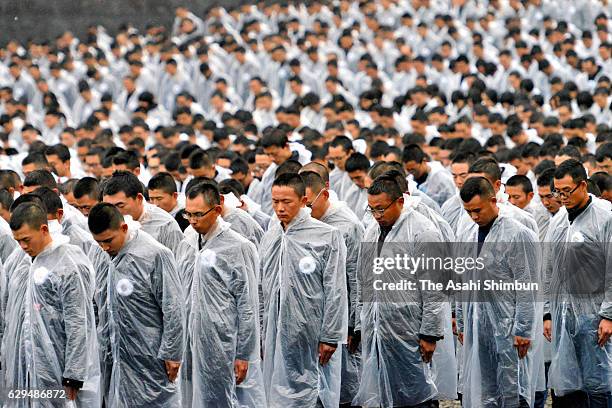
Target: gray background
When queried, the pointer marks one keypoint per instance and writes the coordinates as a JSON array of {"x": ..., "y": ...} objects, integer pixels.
[{"x": 45, "y": 19}]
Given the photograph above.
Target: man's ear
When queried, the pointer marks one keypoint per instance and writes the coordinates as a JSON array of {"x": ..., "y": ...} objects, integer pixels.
[
  {"x": 222, "y": 200},
  {"x": 530, "y": 196},
  {"x": 124, "y": 227},
  {"x": 493, "y": 200},
  {"x": 401, "y": 200},
  {"x": 139, "y": 198},
  {"x": 60, "y": 214},
  {"x": 44, "y": 228},
  {"x": 303, "y": 201},
  {"x": 175, "y": 195},
  {"x": 497, "y": 185}
]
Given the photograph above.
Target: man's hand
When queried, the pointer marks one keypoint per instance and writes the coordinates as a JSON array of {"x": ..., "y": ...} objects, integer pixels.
[
  {"x": 522, "y": 345},
  {"x": 240, "y": 370},
  {"x": 325, "y": 352},
  {"x": 460, "y": 337},
  {"x": 71, "y": 393},
  {"x": 172, "y": 368},
  {"x": 352, "y": 343},
  {"x": 427, "y": 349},
  {"x": 548, "y": 330},
  {"x": 604, "y": 332}
]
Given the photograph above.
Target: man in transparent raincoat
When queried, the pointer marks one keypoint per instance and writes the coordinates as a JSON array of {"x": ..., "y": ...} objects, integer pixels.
[
  {"x": 125, "y": 191},
  {"x": 145, "y": 313},
  {"x": 577, "y": 271},
  {"x": 224, "y": 367},
  {"x": 400, "y": 329},
  {"x": 305, "y": 302},
  {"x": 339, "y": 215},
  {"x": 500, "y": 329},
  {"x": 50, "y": 340}
]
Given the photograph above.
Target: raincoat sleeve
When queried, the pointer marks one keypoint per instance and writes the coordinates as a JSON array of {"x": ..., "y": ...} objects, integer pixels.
[
  {"x": 171, "y": 237},
  {"x": 606, "y": 307},
  {"x": 353, "y": 247},
  {"x": 432, "y": 300},
  {"x": 166, "y": 287},
  {"x": 74, "y": 297},
  {"x": 335, "y": 314},
  {"x": 243, "y": 285},
  {"x": 525, "y": 267}
]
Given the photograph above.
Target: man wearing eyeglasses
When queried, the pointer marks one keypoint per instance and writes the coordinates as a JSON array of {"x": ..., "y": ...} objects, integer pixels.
[
  {"x": 305, "y": 302},
  {"x": 399, "y": 330},
  {"x": 577, "y": 272},
  {"x": 339, "y": 215},
  {"x": 220, "y": 269}
]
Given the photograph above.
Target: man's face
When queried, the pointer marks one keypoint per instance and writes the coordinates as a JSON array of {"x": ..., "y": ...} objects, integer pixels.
[
  {"x": 416, "y": 169},
  {"x": 111, "y": 241},
  {"x": 201, "y": 215},
  {"x": 126, "y": 206},
  {"x": 605, "y": 165},
  {"x": 572, "y": 193},
  {"x": 32, "y": 240},
  {"x": 93, "y": 165},
  {"x": 85, "y": 204},
  {"x": 60, "y": 168},
  {"x": 28, "y": 168},
  {"x": 278, "y": 154},
  {"x": 286, "y": 203},
  {"x": 384, "y": 209},
  {"x": 460, "y": 173},
  {"x": 517, "y": 196},
  {"x": 338, "y": 156},
  {"x": 318, "y": 202},
  {"x": 358, "y": 177},
  {"x": 163, "y": 200},
  {"x": 482, "y": 210},
  {"x": 549, "y": 202}
]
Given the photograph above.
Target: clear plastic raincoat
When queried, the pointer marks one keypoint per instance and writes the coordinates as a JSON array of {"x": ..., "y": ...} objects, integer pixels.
[
  {"x": 224, "y": 321},
  {"x": 578, "y": 273},
  {"x": 161, "y": 226},
  {"x": 393, "y": 373},
  {"x": 493, "y": 374},
  {"x": 146, "y": 323},
  {"x": 50, "y": 330},
  {"x": 305, "y": 303}
]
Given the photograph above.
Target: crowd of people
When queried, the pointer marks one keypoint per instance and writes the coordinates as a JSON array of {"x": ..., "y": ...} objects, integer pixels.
[{"x": 189, "y": 215}]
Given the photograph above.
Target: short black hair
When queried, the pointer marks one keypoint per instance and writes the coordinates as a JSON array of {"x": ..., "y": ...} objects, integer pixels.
[
  {"x": 30, "y": 214},
  {"x": 239, "y": 165},
  {"x": 604, "y": 152},
  {"x": 386, "y": 183},
  {"x": 476, "y": 186},
  {"x": 522, "y": 181},
  {"x": 292, "y": 180},
  {"x": 381, "y": 167},
  {"x": 9, "y": 179},
  {"x": 36, "y": 158},
  {"x": 58, "y": 150},
  {"x": 603, "y": 180},
  {"x": 6, "y": 199},
  {"x": 546, "y": 178},
  {"x": 313, "y": 181},
  {"x": 413, "y": 153},
  {"x": 289, "y": 166},
  {"x": 209, "y": 192},
  {"x": 275, "y": 138},
  {"x": 123, "y": 181},
  {"x": 488, "y": 166},
  {"x": 231, "y": 186},
  {"x": 342, "y": 141},
  {"x": 40, "y": 178},
  {"x": 129, "y": 158},
  {"x": 27, "y": 198},
  {"x": 357, "y": 161},
  {"x": 199, "y": 159},
  {"x": 571, "y": 151},
  {"x": 50, "y": 199},
  {"x": 103, "y": 217},
  {"x": 88, "y": 186},
  {"x": 572, "y": 167},
  {"x": 163, "y": 181},
  {"x": 399, "y": 177},
  {"x": 318, "y": 168}
]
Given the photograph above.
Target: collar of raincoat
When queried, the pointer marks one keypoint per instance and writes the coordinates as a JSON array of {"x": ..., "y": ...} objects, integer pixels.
[
  {"x": 301, "y": 216},
  {"x": 133, "y": 227},
  {"x": 57, "y": 239},
  {"x": 334, "y": 207},
  {"x": 220, "y": 226},
  {"x": 145, "y": 212}
]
